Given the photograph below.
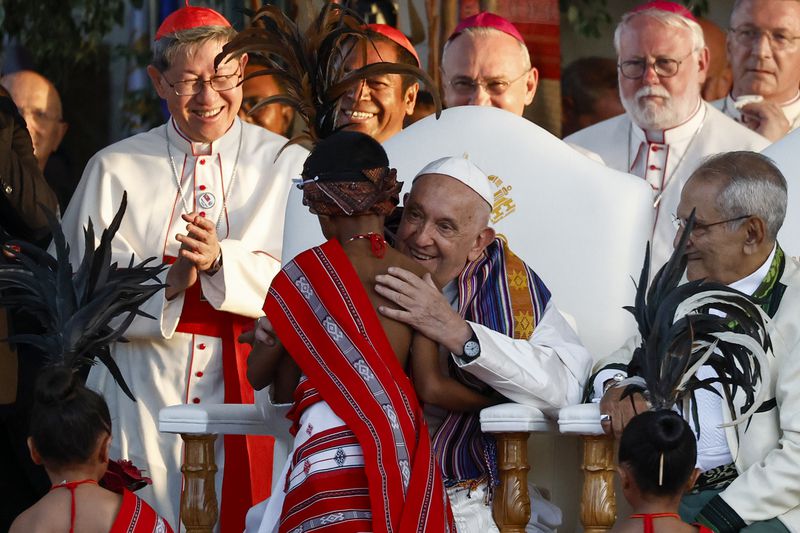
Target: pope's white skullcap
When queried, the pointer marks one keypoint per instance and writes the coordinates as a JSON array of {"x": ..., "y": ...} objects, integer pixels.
[{"x": 463, "y": 170}]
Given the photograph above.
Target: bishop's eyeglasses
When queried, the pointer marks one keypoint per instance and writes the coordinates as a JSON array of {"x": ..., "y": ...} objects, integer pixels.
[
  {"x": 495, "y": 86},
  {"x": 219, "y": 83},
  {"x": 665, "y": 67},
  {"x": 779, "y": 40}
]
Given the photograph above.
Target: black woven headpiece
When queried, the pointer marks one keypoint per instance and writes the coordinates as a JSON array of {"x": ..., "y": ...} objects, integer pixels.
[{"x": 348, "y": 174}]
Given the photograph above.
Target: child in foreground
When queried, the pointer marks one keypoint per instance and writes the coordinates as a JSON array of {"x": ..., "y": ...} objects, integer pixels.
[
  {"x": 657, "y": 455},
  {"x": 70, "y": 435}
]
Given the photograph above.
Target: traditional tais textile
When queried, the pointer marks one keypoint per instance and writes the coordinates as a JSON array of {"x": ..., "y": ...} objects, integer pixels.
[
  {"x": 326, "y": 483},
  {"x": 326, "y": 321},
  {"x": 501, "y": 292},
  {"x": 135, "y": 516}
]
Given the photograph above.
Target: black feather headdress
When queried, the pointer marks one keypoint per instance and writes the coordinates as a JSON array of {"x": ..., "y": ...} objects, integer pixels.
[
  {"x": 310, "y": 65},
  {"x": 76, "y": 308},
  {"x": 685, "y": 326}
]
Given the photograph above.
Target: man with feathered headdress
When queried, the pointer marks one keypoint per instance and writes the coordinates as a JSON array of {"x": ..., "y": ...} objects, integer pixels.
[
  {"x": 207, "y": 193},
  {"x": 751, "y": 471}
]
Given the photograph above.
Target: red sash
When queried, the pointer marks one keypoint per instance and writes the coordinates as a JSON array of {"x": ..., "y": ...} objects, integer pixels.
[
  {"x": 247, "y": 476},
  {"x": 326, "y": 321},
  {"x": 135, "y": 516}
]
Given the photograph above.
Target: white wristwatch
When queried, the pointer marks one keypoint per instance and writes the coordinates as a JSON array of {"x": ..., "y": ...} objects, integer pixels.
[{"x": 471, "y": 350}]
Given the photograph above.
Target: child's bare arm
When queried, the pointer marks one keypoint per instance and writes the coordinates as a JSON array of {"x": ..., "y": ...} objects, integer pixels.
[
  {"x": 263, "y": 364},
  {"x": 286, "y": 380},
  {"x": 434, "y": 387},
  {"x": 267, "y": 359}
]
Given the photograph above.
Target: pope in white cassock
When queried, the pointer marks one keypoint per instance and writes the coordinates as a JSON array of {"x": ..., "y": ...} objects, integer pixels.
[
  {"x": 205, "y": 193},
  {"x": 667, "y": 129}
]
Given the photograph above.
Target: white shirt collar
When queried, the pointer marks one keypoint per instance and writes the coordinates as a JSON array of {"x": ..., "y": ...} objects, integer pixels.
[{"x": 749, "y": 284}]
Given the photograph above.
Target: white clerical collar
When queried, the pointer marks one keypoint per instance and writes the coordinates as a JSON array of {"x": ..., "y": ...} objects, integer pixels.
[
  {"x": 680, "y": 134},
  {"x": 730, "y": 109},
  {"x": 749, "y": 284},
  {"x": 228, "y": 143},
  {"x": 791, "y": 109}
]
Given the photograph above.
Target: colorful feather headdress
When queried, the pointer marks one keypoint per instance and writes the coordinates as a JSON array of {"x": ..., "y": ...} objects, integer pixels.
[
  {"x": 76, "y": 309},
  {"x": 688, "y": 325},
  {"x": 311, "y": 65}
]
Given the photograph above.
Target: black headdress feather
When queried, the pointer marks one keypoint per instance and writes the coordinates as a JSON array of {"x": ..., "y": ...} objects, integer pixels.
[
  {"x": 310, "y": 65},
  {"x": 685, "y": 326},
  {"x": 76, "y": 308}
]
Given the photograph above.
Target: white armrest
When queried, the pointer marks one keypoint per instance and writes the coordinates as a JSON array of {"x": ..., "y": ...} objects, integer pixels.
[
  {"x": 230, "y": 419},
  {"x": 514, "y": 417},
  {"x": 582, "y": 419}
]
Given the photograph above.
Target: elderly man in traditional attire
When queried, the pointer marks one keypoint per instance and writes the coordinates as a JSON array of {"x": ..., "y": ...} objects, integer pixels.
[
  {"x": 765, "y": 58},
  {"x": 485, "y": 61},
  {"x": 667, "y": 128},
  {"x": 207, "y": 194},
  {"x": 750, "y": 478},
  {"x": 445, "y": 227}
]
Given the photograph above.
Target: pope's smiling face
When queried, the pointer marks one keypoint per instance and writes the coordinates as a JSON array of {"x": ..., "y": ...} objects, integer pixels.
[
  {"x": 207, "y": 115},
  {"x": 443, "y": 226},
  {"x": 378, "y": 105}
]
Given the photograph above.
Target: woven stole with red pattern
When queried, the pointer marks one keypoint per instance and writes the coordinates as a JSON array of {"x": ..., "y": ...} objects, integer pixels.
[
  {"x": 502, "y": 293},
  {"x": 325, "y": 320}
]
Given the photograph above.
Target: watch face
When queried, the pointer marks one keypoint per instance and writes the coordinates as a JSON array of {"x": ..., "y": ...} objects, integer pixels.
[{"x": 472, "y": 348}]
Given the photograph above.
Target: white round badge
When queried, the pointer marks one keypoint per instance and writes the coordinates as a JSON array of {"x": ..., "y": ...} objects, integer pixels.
[{"x": 206, "y": 200}]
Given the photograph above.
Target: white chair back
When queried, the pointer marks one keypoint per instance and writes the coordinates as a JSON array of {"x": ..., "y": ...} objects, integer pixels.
[
  {"x": 786, "y": 154},
  {"x": 581, "y": 226}
]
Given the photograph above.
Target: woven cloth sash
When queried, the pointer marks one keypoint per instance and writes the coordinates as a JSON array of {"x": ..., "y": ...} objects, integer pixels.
[
  {"x": 717, "y": 478},
  {"x": 770, "y": 291},
  {"x": 324, "y": 318},
  {"x": 502, "y": 293}
]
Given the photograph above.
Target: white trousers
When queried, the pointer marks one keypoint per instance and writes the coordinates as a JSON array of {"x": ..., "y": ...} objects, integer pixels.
[{"x": 472, "y": 514}]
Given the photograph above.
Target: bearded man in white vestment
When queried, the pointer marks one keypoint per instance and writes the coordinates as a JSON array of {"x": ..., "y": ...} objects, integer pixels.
[
  {"x": 667, "y": 128},
  {"x": 205, "y": 192}
]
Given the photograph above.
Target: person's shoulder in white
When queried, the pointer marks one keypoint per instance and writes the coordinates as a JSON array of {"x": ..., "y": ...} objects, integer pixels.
[
  {"x": 729, "y": 135},
  {"x": 596, "y": 137}
]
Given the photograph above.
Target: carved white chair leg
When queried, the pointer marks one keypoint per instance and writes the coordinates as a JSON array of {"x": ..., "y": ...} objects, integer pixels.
[
  {"x": 512, "y": 424},
  {"x": 199, "y": 510},
  {"x": 598, "y": 500}
]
